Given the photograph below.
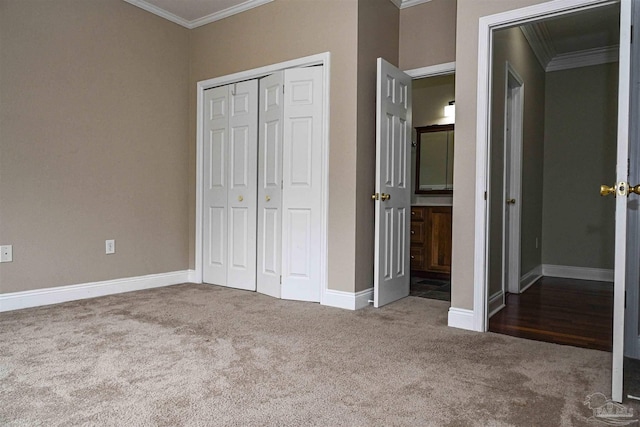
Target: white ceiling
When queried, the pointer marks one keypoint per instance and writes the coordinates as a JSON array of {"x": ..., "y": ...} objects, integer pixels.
[{"x": 194, "y": 13}]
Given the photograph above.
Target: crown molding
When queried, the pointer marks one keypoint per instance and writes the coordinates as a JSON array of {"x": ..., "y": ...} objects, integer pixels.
[
  {"x": 583, "y": 58},
  {"x": 159, "y": 12},
  {"x": 242, "y": 7},
  {"x": 403, "y": 4},
  {"x": 542, "y": 45},
  {"x": 540, "y": 41}
]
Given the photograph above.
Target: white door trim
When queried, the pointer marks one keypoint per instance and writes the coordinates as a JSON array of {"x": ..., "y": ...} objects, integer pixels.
[
  {"x": 318, "y": 59},
  {"x": 443, "y": 69},
  {"x": 486, "y": 25}
]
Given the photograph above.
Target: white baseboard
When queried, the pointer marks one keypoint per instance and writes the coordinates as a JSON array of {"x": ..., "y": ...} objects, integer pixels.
[
  {"x": 347, "y": 300},
  {"x": 496, "y": 303},
  {"x": 580, "y": 273},
  {"x": 530, "y": 278},
  {"x": 193, "y": 277},
  {"x": 47, "y": 296},
  {"x": 461, "y": 318}
]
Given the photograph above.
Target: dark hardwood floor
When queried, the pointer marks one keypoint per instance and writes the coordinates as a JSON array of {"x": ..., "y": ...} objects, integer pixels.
[{"x": 562, "y": 311}]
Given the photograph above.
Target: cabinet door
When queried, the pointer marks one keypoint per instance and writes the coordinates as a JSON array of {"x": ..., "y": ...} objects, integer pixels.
[{"x": 439, "y": 239}]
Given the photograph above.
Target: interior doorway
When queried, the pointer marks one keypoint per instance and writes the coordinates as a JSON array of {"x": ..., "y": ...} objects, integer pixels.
[
  {"x": 623, "y": 258},
  {"x": 567, "y": 127},
  {"x": 433, "y": 109}
]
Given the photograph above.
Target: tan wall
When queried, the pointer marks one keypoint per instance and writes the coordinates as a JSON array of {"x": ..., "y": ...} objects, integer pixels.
[
  {"x": 428, "y": 34},
  {"x": 378, "y": 22},
  {"x": 510, "y": 45},
  {"x": 276, "y": 32},
  {"x": 580, "y": 147},
  {"x": 464, "y": 169},
  {"x": 93, "y": 136}
]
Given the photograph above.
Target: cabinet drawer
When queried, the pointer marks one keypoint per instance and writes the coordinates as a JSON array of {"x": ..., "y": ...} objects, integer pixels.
[
  {"x": 417, "y": 232},
  {"x": 417, "y": 214},
  {"x": 417, "y": 257}
]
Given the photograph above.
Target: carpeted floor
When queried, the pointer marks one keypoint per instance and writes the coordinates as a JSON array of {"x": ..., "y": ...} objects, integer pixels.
[{"x": 199, "y": 355}]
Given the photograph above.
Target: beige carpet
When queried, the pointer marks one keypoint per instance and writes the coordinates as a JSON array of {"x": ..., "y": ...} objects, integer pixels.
[{"x": 199, "y": 355}]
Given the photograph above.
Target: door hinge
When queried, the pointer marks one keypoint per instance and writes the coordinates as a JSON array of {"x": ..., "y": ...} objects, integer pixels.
[
  {"x": 281, "y": 279},
  {"x": 625, "y": 299},
  {"x": 485, "y": 195}
]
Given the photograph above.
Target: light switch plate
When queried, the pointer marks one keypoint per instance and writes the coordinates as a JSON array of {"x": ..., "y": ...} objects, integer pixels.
[{"x": 110, "y": 247}]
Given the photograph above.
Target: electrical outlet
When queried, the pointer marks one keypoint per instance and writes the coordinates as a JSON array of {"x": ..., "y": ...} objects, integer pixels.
[
  {"x": 6, "y": 253},
  {"x": 110, "y": 247}
]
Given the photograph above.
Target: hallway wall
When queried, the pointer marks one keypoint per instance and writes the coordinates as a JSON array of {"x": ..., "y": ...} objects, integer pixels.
[{"x": 580, "y": 154}]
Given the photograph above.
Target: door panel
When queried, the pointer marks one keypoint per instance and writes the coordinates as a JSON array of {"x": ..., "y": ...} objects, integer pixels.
[
  {"x": 393, "y": 129},
  {"x": 270, "y": 185},
  {"x": 242, "y": 192},
  {"x": 216, "y": 130},
  {"x": 302, "y": 187}
]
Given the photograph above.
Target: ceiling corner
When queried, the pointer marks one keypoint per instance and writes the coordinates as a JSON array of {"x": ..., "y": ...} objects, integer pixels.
[
  {"x": 538, "y": 37},
  {"x": 403, "y": 4}
]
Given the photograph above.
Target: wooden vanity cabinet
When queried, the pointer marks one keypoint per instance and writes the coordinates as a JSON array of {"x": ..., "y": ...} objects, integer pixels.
[{"x": 431, "y": 241}]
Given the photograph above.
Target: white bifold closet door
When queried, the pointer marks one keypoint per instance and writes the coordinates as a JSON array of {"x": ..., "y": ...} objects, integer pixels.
[
  {"x": 230, "y": 187},
  {"x": 263, "y": 184},
  {"x": 302, "y": 183},
  {"x": 289, "y": 184},
  {"x": 271, "y": 119}
]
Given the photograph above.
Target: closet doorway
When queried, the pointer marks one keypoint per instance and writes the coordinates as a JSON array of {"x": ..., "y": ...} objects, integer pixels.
[{"x": 261, "y": 184}]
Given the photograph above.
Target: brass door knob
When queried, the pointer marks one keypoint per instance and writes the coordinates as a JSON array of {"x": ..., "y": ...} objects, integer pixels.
[
  {"x": 267, "y": 198},
  {"x": 634, "y": 189},
  {"x": 385, "y": 197},
  {"x": 240, "y": 198},
  {"x": 375, "y": 196},
  {"x": 511, "y": 201},
  {"x": 605, "y": 190}
]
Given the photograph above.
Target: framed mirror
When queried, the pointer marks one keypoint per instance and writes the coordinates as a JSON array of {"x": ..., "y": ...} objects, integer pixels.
[{"x": 434, "y": 159}]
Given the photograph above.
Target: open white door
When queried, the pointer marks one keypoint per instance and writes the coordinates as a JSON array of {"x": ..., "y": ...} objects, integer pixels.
[
  {"x": 393, "y": 187},
  {"x": 621, "y": 191}
]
